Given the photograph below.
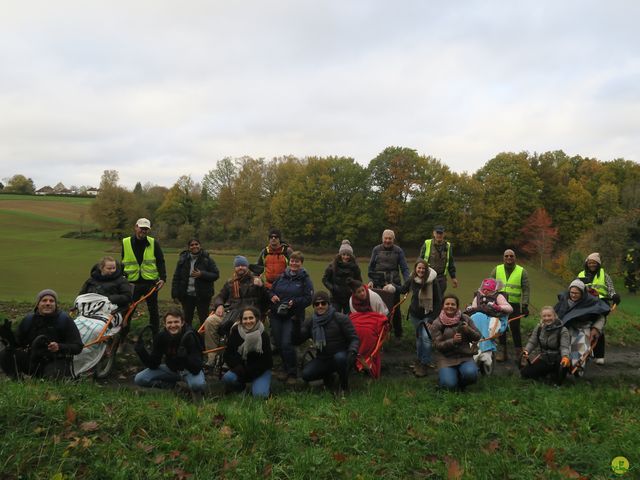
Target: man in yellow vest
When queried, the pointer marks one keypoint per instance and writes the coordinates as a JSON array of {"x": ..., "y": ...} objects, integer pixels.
[
  {"x": 516, "y": 285},
  {"x": 438, "y": 254},
  {"x": 596, "y": 278},
  {"x": 144, "y": 267}
]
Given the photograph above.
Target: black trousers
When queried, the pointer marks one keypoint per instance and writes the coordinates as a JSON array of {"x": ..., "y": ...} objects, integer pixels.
[
  {"x": 514, "y": 327},
  {"x": 139, "y": 291},
  {"x": 191, "y": 303},
  {"x": 542, "y": 368},
  {"x": 21, "y": 361}
]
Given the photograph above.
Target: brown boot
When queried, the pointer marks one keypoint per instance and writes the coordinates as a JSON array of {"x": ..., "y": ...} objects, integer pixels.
[{"x": 501, "y": 353}]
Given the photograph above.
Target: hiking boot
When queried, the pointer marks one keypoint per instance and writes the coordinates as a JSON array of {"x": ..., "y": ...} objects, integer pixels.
[
  {"x": 600, "y": 361},
  {"x": 421, "y": 370},
  {"x": 282, "y": 375},
  {"x": 291, "y": 380}
]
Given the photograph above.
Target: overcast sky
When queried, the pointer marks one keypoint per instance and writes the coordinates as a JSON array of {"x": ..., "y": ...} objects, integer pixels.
[{"x": 158, "y": 89}]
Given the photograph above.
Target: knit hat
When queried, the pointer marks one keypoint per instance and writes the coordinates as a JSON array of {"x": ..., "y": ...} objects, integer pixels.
[
  {"x": 240, "y": 261},
  {"x": 388, "y": 232},
  {"x": 44, "y": 293},
  {"x": 489, "y": 284},
  {"x": 345, "y": 248},
  {"x": 275, "y": 231},
  {"x": 594, "y": 256},
  {"x": 320, "y": 295},
  {"x": 578, "y": 284}
]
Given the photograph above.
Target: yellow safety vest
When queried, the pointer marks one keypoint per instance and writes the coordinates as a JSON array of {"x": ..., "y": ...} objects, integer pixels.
[
  {"x": 132, "y": 269},
  {"x": 427, "y": 252},
  {"x": 598, "y": 283},
  {"x": 513, "y": 284}
]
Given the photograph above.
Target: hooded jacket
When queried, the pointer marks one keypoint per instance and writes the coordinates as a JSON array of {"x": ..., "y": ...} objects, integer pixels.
[{"x": 113, "y": 286}]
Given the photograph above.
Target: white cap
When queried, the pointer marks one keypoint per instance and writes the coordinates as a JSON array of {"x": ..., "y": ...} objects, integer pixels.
[{"x": 143, "y": 223}]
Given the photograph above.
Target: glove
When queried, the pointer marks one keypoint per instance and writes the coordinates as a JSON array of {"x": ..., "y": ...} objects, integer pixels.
[
  {"x": 615, "y": 299},
  {"x": 496, "y": 307},
  {"x": 351, "y": 359},
  {"x": 389, "y": 288},
  {"x": 565, "y": 362},
  {"x": 525, "y": 310}
]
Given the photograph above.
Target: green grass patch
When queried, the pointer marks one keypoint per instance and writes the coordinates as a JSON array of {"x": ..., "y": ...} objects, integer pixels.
[{"x": 394, "y": 428}]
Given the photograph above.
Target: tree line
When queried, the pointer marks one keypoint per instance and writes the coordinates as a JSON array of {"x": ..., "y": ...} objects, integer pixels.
[{"x": 555, "y": 207}]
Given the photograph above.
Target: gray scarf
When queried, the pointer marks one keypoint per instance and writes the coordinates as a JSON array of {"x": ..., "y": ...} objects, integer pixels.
[
  {"x": 252, "y": 339},
  {"x": 425, "y": 294}
]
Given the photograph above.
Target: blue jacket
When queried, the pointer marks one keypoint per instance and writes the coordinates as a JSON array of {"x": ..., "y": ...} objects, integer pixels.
[{"x": 298, "y": 288}]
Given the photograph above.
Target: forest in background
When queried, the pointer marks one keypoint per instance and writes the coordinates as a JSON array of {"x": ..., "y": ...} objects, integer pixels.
[{"x": 552, "y": 207}]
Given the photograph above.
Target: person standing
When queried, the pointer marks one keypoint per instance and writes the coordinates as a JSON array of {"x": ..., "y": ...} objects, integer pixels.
[
  {"x": 340, "y": 270},
  {"x": 144, "y": 267},
  {"x": 274, "y": 257},
  {"x": 595, "y": 277},
  {"x": 193, "y": 280},
  {"x": 387, "y": 261},
  {"x": 439, "y": 255},
  {"x": 515, "y": 280}
]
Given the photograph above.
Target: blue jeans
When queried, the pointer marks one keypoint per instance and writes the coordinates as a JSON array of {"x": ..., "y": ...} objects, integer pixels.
[
  {"x": 423, "y": 340},
  {"x": 281, "y": 328},
  {"x": 324, "y": 367},
  {"x": 164, "y": 377},
  {"x": 459, "y": 376},
  {"x": 260, "y": 386}
]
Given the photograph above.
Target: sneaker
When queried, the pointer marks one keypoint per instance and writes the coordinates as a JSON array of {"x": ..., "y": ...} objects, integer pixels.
[
  {"x": 600, "y": 361},
  {"x": 421, "y": 370}
]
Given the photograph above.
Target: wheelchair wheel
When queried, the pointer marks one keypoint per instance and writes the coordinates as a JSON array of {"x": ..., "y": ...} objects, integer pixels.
[
  {"x": 146, "y": 338},
  {"x": 105, "y": 366},
  {"x": 487, "y": 369}
]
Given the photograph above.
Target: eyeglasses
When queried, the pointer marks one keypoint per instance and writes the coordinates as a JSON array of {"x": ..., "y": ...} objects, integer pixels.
[
  {"x": 274, "y": 236},
  {"x": 509, "y": 256},
  {"x": 194, "y": 245},
  {"x": 320, "y": 303}
]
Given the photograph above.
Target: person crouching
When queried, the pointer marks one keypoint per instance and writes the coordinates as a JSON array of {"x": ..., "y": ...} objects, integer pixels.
[
  {"x": 182, "y": 352},
  {"x": 248, "y": 355}
]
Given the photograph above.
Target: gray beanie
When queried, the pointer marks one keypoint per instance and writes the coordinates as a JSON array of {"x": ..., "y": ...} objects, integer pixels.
[
  {"x": 345, "y": 248},
  {"x": 578, "y": 284},
  {"x": 240, "y": 261},
  {"x": 594, "y": 256},
  {"x": 44, "y": 293}
]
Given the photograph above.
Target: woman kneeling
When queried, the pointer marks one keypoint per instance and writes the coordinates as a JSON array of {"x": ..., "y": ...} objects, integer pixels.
[
  {"x": 453, "y": 332},
  {"x": 248, "y": 355}
]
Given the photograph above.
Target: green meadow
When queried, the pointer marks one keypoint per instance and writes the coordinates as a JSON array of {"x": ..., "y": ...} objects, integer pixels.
[{"x": 398, "y": 427}]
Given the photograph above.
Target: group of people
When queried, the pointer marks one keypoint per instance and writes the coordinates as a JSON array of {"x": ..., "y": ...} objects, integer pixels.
[{"x": 278, "y": 290}]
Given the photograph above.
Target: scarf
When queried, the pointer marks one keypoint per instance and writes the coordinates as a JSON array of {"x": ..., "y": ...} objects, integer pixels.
[
  {"x": 425, "y": 294},
  {"x": 318, "y": 322},
  {"x": 235, "y": 284},
  {"x": 362, "y": 305},
  {"x": 448, "y": 321},
  {"x": 252, "y": 339}
]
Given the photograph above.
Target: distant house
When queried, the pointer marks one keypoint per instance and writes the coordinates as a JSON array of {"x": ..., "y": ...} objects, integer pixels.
[
  {"x": 92, "y": 191},
  {"x": 46, "y": 190}
]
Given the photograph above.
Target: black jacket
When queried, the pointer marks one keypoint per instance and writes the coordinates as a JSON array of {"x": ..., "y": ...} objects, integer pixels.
[
  {"x": 255, "y": 364},
  {"x": 414, "y": 307},
  {"x": 59, "y": 328},
  {"x": 203, "y": 284},
  {"x": 339, "y": 333},
  {"x": 179, "y": 355},
  {"x": 114, "y": 286},
  {"x": 336, "y": 276}
]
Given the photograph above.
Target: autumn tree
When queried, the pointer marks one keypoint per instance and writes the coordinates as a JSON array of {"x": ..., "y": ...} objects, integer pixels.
[
  {"x": 539, "y": 236},
  {"x": 20, "y": 184},
  {"x": 180, "y": 207},
  {"x": 114, "y": 207}
]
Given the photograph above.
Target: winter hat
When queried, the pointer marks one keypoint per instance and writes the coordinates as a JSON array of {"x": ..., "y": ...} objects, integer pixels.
[
  {"x": 388, "y": 232},
  {"x": 275, "y": 231},
  {"x": 345, "y": 248},
  {"x": 240, "y": 261},
  {"x": 320, "y": 295},
  {"x": 594, "y": 256},
  {"x": 578, "y": 284},
  {"x": 44, "y": 293},
  {"x": 489, "y": 284},
  {"x": 438, "y": 229}
]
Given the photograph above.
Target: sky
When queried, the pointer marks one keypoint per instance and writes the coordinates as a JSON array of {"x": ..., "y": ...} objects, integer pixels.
[{"x": 159, "y": 89}]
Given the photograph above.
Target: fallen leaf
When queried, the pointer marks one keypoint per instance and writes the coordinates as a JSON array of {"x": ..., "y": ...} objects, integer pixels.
[
  {"x": 218, "y": 419},
  {"x": 385, "y": 401},
  {"x": 70, "y": 415},
  {"x": 339, "y": 457},
  {"x": 492, "y": 446},
  {"x": 38, "y": 430},
  {"x": 85, "y": 442},
  {"x": 180, "y": 474},
  {"x": 267, "y": 470},
  {"x": 431, "y": 458},
  {"x": 174, "y": 454},
  {"x": 144, "y": 448},
  {"x": 454, "y": 471},
  {"x": 52, "y": 397},
  {"x": 56, "y": 439},
  {"x": 568, "y": 472},
  {"x": 91, "y": 426},
  {"x": 314, "y": 437},
  {"x": 229, "y": 465},
  {"x": 550, "y": 458},
  {"x": 158, "y": 459},
  {"x": 226, "y": 431}
]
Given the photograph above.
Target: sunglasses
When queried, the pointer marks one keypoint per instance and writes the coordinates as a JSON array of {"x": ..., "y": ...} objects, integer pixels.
[
  {"x": 320, "y": 303},
  {"x": 274, "y": 236}
]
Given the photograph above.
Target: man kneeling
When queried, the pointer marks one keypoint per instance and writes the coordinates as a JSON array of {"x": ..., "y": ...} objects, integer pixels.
[
  {"x": 182, "y": 352},
  {"x": 45, "y": 343},
  {"x": 334, "y": 338}
]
